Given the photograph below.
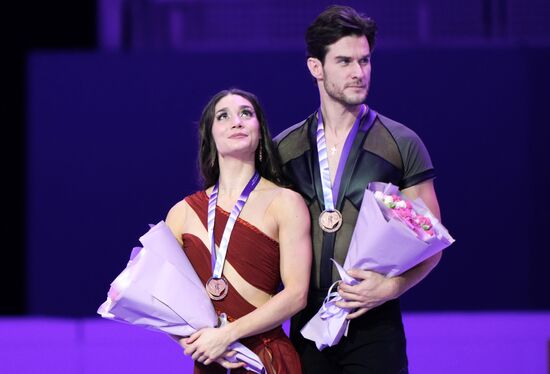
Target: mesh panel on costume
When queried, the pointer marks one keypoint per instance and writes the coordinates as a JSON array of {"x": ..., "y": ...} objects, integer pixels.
[{"x": 380, "y": 142}]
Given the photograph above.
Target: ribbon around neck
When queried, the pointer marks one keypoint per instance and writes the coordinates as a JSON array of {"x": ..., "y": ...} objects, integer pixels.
[
  {"x": 219, "y": 261},
  {"x": 330, "y": 192}
]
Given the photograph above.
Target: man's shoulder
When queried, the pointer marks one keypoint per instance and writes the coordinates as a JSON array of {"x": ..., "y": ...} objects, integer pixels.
[
  {"x": 295, "y": 130},
  {"x": 402, "y": 134},
  {"x": 399, "y": 131},
  {"x": 293, "y": 141},
  {"x": 413, "y": 154}
]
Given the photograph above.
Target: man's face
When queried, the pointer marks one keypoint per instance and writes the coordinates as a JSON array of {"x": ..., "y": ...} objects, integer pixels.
[{"x": 346, "y": 70}]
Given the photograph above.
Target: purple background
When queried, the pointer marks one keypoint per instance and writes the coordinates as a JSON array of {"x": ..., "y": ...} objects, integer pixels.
[
  {"x": 99, "y": 140},
  {"x": 111, "y": 147},
  {"x": 451, "y": 343}
]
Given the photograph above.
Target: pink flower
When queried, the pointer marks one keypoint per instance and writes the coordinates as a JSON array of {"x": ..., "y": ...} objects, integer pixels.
[{"x": 403, "y": 210}]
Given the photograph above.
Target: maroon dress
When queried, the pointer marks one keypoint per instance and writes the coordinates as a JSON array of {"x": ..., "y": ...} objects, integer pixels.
[{"x": 255, "y": 256}]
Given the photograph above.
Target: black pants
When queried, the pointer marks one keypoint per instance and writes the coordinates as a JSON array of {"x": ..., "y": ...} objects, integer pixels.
[{"x": 375, "y": 343}]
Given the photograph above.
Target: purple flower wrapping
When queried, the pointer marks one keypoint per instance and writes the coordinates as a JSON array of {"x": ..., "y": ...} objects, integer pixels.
[
  {"x": 160, "y": 290},
  {"x": 386, "y": 246}
]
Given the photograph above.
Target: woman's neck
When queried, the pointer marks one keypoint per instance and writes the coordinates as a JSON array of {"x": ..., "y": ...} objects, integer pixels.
[{"x": 234, "y": 175}]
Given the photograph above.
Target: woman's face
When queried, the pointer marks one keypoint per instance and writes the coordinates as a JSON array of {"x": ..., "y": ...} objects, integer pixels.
[{"x": 236, "y": 130}]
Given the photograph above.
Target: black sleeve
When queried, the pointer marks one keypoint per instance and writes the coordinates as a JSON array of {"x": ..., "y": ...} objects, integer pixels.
[{"x": 417, "y": 164}]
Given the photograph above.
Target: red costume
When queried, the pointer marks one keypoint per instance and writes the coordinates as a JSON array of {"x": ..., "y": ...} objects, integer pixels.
[{"x": 255, "y": 256}]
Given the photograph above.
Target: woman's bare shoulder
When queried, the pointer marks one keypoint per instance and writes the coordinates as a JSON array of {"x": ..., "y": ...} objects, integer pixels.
[
  {"x": 176, "y": 217},
  {"x": 179, "y": 208},
  {"x": 288, "y": 199}
]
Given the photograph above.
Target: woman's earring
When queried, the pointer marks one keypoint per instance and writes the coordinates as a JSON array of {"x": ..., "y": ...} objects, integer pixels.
[{"x": 260, "y": 153}]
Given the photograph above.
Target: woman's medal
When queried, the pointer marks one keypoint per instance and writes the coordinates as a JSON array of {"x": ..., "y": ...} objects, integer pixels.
[{"x": 217, "y": 286}]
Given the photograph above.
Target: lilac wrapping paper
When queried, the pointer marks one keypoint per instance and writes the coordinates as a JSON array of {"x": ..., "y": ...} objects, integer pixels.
[
  {"x": 160, "y": 290},
  {"x": 386, "y": 246}
]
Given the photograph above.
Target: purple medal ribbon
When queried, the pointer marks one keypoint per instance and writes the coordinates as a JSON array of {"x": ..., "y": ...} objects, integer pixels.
[
  {"x": 218, "y": 261},
  {"x": 331, "y": 194}
]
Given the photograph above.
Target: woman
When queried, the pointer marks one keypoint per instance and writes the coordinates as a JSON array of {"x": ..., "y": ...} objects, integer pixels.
[{"x": 269, "y": 242}]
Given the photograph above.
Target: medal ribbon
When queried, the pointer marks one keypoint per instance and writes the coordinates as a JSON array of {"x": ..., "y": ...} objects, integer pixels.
[
  {"x": 330, "y": 194},
  {"x": 218, "y": 261}
]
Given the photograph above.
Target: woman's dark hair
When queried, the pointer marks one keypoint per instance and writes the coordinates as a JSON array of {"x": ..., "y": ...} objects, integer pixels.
[
  {"x": 334, "y": 23},
  {"x": 270, "y": 165}
]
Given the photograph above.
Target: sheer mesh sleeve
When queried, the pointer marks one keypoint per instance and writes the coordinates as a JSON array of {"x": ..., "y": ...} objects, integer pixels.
[{"x": 408, "y": 153}]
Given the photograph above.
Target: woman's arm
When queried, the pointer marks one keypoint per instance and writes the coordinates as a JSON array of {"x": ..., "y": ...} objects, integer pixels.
[
  {"x": 175, "y": 219},
  {"x": 293, "y": 221},
  {"x": 295, "y": 255}
]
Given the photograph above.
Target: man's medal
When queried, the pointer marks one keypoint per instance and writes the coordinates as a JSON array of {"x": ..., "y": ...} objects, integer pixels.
[{"x": 330, "y": 219}]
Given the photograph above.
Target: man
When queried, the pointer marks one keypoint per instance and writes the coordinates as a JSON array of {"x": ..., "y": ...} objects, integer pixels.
[{"x": 359, "y": 146}]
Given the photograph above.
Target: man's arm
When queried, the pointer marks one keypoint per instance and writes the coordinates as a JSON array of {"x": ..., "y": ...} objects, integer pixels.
[
  {"x": 426, "y": 192},
  {"x": 375, "y": 289}
]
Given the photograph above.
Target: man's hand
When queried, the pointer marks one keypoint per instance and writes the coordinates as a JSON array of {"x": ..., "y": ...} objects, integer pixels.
[{"x": 373, "y": 290}]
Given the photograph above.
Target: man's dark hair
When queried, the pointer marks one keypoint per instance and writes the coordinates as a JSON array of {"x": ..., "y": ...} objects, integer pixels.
[
  {"x": 269, "y": 165},
  {"x": 334, "y": 23}
]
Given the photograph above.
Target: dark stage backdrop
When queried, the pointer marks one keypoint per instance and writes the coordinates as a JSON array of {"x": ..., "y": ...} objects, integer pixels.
[{"x": 111, "y": 147}]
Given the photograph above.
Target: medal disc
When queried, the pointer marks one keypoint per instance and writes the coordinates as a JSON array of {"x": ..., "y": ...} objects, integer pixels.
[
  {"x": 330, "y": 220},
  {"x": 216, "y": 288}
]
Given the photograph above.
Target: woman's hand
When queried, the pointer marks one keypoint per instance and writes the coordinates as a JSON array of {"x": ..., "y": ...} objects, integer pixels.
[
  {"x": 224, "y": 361},
  {"x": 207, "y": 345}
]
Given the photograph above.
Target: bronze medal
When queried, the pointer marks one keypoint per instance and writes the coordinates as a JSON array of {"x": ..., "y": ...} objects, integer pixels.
[
  {"x": 217, "y": 288},
  {"x": 330, "y": 220}
]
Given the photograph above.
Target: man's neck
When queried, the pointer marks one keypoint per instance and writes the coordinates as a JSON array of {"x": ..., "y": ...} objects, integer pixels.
[{"x": 338, "y": 119}]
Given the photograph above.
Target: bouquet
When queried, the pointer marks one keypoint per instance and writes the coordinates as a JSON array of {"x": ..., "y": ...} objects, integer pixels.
[
  {"x": 392, "y": 235},
  {"x": 155, "y": 289}
]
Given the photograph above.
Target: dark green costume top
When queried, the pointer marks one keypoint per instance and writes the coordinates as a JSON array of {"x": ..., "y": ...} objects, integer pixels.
[{"x": 385, "y": 151}]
